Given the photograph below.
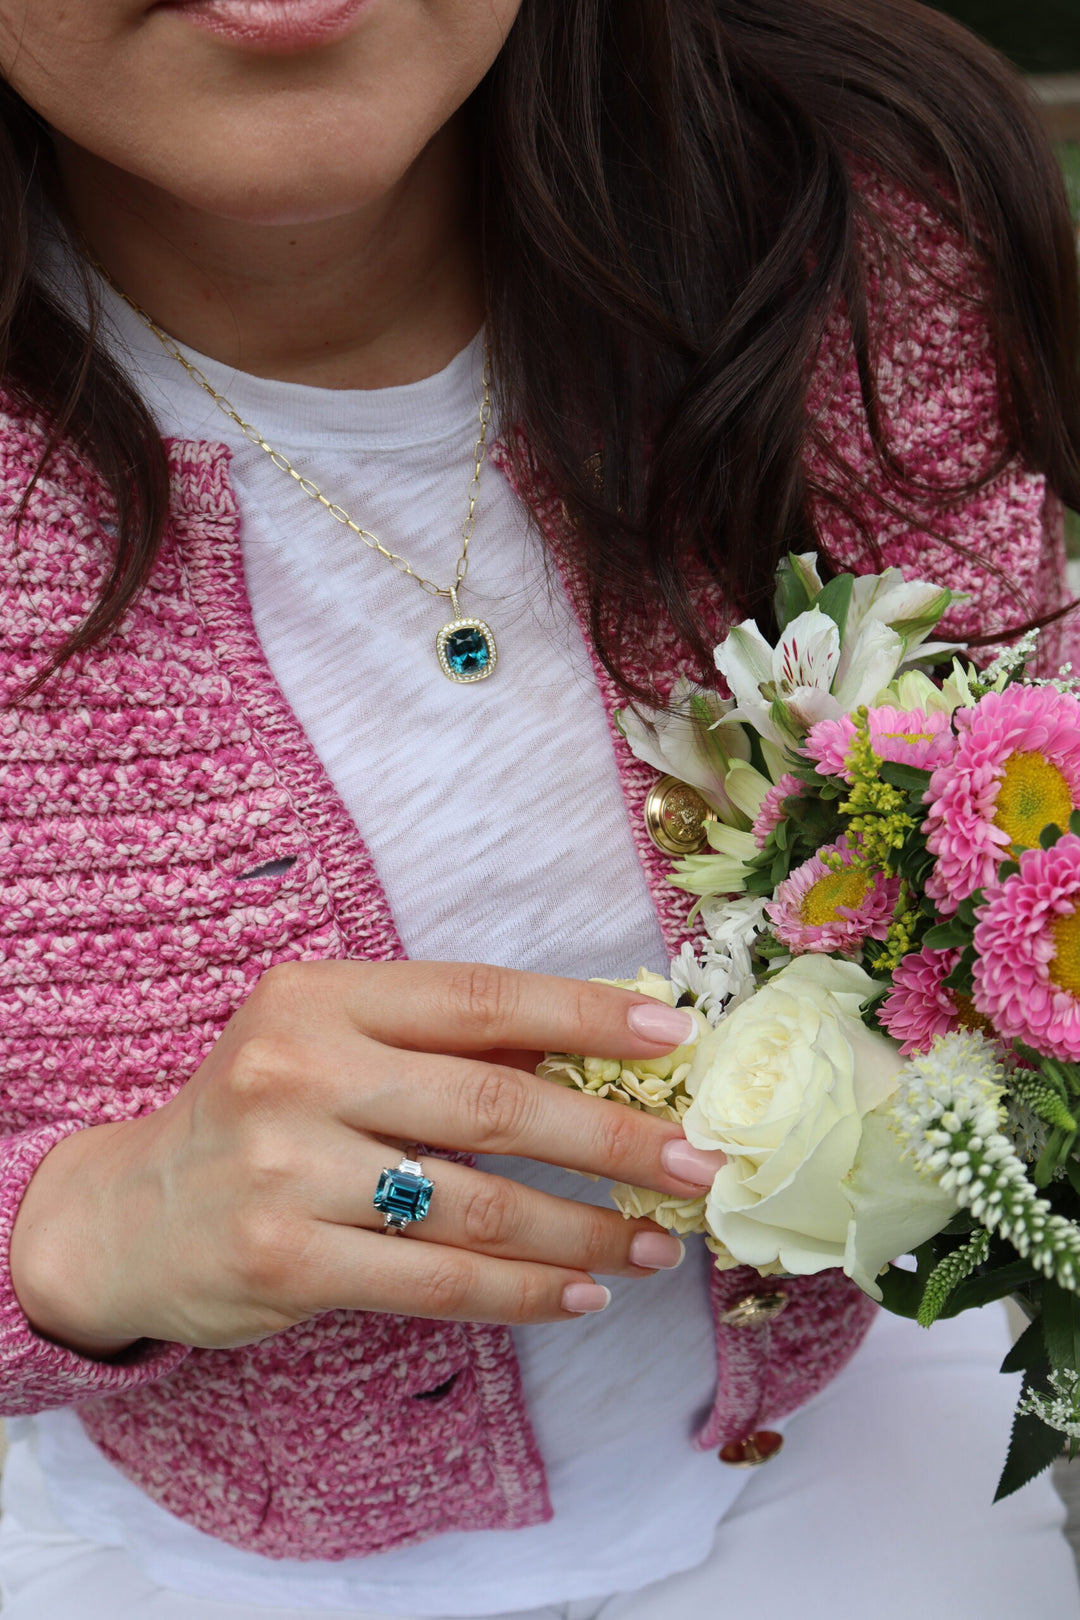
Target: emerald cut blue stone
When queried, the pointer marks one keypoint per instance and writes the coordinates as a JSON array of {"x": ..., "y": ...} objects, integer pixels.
[
  {"x": 467, "y": 651},
  {"x": 403, "y": 1197}
]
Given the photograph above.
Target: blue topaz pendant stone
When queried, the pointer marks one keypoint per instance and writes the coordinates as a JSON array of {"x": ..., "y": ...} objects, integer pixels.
[
  {"x": 403, "y": 1195},
  {"x": 466, "y": 648}
]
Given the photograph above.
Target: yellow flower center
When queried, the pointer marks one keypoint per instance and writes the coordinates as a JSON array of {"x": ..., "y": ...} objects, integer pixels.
[
  {"x": 1033, "y": 795},
  {"x": 1065, "y": 963},
  {"x": 844, "y": 888},
  {"x": 907, "y": 736},
  {"x": 968, "y": 1014}
]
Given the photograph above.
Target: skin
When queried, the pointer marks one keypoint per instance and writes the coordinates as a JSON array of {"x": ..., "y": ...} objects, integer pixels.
[{"x": 306, "y": 216}]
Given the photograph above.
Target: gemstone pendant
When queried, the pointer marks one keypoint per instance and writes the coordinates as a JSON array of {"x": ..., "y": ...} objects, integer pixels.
[{"x": 466, "y": 649}]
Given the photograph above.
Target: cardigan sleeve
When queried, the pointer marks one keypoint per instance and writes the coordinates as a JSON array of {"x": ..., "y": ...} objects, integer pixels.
[
  {"x": 935, "y": 366},
  {"x": 35, "y": 1373}
]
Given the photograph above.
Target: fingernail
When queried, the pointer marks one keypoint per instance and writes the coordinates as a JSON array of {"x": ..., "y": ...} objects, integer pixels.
[
  {"x": 660, "y": 1251},
  {"x": 689, "y": 1163},
  {"x": 667, "y": 1026},
  {"x": 584, "y": 1298}
]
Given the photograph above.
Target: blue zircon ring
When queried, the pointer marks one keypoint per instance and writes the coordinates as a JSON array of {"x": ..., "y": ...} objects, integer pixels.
[{"x": 403, "y": 1195}]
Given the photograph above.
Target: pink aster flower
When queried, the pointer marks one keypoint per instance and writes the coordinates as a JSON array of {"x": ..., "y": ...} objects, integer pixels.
[
  {"x": 1027, "y": 976},
  {"x": 819, "y": 907},
  {"x": 906, "y": 736},
  {"x": 771, "y": 812},
  {"x": 918, "y": 1007},
  {"x": 1015, "y": 770}
]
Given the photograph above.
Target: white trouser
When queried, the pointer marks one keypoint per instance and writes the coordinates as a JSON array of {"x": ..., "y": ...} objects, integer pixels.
[{"x": 880, "y": 1504}]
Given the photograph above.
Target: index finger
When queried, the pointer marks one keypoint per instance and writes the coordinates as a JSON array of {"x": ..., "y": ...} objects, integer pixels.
[{"x": 461, "y": 1007}]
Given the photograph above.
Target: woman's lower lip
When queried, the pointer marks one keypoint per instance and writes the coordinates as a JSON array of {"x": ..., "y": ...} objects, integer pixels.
[{"x": 271, "y": 25}]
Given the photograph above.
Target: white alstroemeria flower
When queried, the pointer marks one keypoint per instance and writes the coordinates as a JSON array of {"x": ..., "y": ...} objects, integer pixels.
[
  {"x": 693, "y": 739},
  {"x": 783, "y": 690},
  {"x": 912, "y": 608},
  {"x": 867, "y": 662},
  {"x": 815, "y": 672},
  {"x": 913, "y": 690}
]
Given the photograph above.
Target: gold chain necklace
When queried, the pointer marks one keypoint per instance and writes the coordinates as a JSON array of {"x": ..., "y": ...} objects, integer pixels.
[{"x": 465, "y": 647}]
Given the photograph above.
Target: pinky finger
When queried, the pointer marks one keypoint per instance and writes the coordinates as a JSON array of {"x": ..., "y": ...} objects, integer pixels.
[{"x": 351, "y": 1269}]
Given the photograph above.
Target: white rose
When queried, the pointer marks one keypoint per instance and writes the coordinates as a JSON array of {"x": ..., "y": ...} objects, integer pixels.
[{"x": 782, "y": 1086}]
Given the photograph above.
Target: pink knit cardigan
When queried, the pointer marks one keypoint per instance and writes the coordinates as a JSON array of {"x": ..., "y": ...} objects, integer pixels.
[{"x": 159, "y": 768}]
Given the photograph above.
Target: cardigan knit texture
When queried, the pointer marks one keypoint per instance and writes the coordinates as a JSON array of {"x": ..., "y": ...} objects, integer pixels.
[{"x": 154, "y": 771}]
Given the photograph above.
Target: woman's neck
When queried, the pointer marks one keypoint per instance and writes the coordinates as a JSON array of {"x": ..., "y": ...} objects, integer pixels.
[{"x": 384, "y": 295}]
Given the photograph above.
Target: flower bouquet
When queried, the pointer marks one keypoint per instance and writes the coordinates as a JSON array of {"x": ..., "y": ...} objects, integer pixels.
[{"x": 886, "y": 868}]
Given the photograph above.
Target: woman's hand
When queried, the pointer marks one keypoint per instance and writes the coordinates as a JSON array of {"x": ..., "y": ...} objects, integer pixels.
[{"x": 244, "y": 1204}]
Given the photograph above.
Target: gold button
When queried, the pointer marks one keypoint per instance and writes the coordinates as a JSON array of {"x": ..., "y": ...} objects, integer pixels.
[
  {"x": 675, "y": 815},
  {"x": 753, "y": 1451},
  {"x": 755, "y": 1310}
]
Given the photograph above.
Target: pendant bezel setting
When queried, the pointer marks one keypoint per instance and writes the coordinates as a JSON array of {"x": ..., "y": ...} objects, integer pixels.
[{"x": 442, "y": 650}]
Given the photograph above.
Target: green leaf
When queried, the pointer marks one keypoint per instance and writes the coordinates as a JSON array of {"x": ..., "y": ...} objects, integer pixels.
[
  {"x": 907, "y": 777},
  {"x": 1074, "y": 823},
  {"x": 920, "y": 624},
  {"x": 961, "y": 976},
  {"x": 1009, "y": 869},
  {"x": 1061, "y": 1327},
  {"x": 901, "y": 1291},
  {"x": 1032, "y": 1449},
  {"x": 946, "y": 936},
  {"x": 792, "y": 596},
  {"x": 1028, "y": 1354},
  {"x": 988, "y": 1286},
  {"x": 835, "y": 600},
  {"x": 1049, "y": 836}
]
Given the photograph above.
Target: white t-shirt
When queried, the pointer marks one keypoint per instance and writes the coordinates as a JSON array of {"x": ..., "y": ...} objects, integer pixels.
[{"x": 497, "y": 824}]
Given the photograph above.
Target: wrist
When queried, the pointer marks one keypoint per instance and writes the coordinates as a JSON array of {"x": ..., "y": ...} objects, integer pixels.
[{"x": 55, "y": 1242}]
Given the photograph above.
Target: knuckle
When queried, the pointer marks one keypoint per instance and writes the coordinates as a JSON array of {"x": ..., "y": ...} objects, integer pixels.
[
  {"x": 500, "y": 1107},
  {"x": 271, "y": 1163},
  {"x": 483, "y": 996},
  {"x": 618, "y": 1138},
  {"x": 488, "y": 1218},
  {"x": 601, "y": 1241},
  {"x": 444, "y": 1291},
  {"x": 530, "y": 1297},
  {"x": 286, "y": 984},
  {"x": 262, "y": 1068}
]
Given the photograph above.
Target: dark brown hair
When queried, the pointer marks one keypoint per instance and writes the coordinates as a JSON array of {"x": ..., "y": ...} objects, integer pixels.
[{"x": 669, "y": 218}]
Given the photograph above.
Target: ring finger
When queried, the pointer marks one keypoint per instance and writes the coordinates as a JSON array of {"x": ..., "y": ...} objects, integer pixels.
[{"x": 473, "y": 1209}]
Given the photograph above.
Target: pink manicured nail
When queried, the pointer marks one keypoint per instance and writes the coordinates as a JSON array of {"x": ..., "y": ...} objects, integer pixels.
[
  {"x": 660, "y": 1251},
  {"x": 667, "y": 1026},
  {"x": 584, "y": 1298},
  {"x": 690, "y": 1163}
]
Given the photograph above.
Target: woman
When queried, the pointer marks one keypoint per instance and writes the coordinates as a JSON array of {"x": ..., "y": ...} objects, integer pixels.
[{"x": 728, "y": 277}]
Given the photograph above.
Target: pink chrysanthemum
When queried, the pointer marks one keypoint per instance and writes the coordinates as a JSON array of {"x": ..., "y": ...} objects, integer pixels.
[
  {"x": 819, "y": 907},
  {"x": 772, "y": 812},
  {"x": 1015, "y": 770},
  {"x": 918, "y": 1007},
  {"x": 907, "y": 736},
  {"x": 1027, "y": 975}
]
